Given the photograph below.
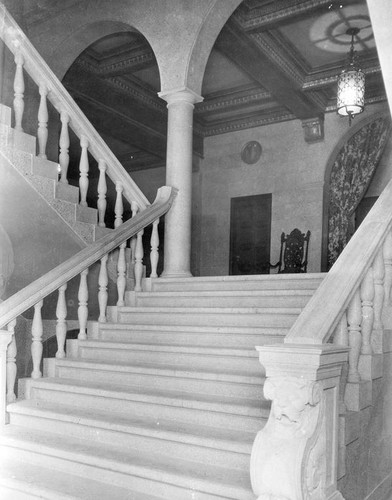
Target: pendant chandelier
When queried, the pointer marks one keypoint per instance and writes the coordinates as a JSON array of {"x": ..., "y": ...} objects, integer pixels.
[{"x": 351, "y": 84}]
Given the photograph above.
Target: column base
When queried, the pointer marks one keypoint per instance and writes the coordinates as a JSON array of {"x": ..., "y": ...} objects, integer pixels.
[{"x": 173, "y": 274}]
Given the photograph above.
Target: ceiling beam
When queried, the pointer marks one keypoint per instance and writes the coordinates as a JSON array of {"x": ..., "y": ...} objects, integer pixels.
[{"x": 243, "y": 51}]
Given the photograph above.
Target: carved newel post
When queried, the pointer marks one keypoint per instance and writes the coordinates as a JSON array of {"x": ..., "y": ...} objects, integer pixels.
[{"x": 294, "y": 457}]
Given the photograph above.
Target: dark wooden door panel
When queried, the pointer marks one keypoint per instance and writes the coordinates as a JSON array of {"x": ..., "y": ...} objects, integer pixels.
[{"x": 250, "y": 234}]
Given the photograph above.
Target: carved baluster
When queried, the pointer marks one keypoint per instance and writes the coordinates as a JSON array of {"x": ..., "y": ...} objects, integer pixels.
[
  {"x": 341, "y": 332},
  {"x": 36, "y": 346},
  {"x": 83, "y": 305},
  {"x": 42, "y": 132},
  {"x": 103, "y": 289},
  {"x": 102, "y": 189},
  {"x": 154, "y": 256},
  {"x": 5, "y": 339},
  {"x": 139, "y": 261},
  {"x": 387, "y": 254},
  {"x": 341, "y": 338},
  {"x": 64, "y": 147},
  {"x": 354, "y": 316},
  {"x": 135, "y": 209},
  {"x": 61, "y": 326},
  {"x": 11, "y": 363},
  {"x": 367, "y": 296},
  {"x": 378, "y": 327},
  {"x": 121, "y": 263},
  {"x": 83, "y": 169},
  {"x": 19, "y": 88}
]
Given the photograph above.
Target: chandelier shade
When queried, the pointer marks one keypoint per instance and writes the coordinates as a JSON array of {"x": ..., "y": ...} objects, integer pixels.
[
  {"x": 351, "y": 85},
  {"x": 351, "y": 92}
]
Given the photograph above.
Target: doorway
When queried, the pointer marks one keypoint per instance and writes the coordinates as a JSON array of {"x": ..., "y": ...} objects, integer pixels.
[{"x": 250, "y": 234}]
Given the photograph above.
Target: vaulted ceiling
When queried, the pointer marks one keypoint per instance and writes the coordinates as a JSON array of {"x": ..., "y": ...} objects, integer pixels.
[{"x": 274, "y": 60}]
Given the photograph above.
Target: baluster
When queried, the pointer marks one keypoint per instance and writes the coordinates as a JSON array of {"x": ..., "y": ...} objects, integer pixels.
[
  {"x": 103, "y": 289},
  {"x": 19, "y": 88},
  {"x": 387, "y": 254},
  {"x": 11, "y": 363},
  {"x": 139, "y": 261},
  {"x": 102, "y": 189},
  {"x": 64, "y": 147},
  {"x": 36, "y": 346},
  {"x": 61, "y": 326},
  {"x": 154, "y": 256},
  {"x": 121, "y": 263},
  {"x": 42, "y": 132},
  {"x": 341, "y": 332},
  {"x": 83, "y": 305},
  {"x": 83, "y": 169},
  {"x": 367, "y": 296},
  {"x": 354, "y": 316},
  {"x": 135, "y": 209},
  {"x": 378, "y": 327}
]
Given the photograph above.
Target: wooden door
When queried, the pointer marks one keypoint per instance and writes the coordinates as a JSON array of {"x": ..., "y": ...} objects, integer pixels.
[{"x": 250, "y": 234}]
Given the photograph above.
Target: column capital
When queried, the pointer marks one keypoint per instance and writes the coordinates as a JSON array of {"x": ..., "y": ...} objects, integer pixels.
[{"x": 183, "y": 94}]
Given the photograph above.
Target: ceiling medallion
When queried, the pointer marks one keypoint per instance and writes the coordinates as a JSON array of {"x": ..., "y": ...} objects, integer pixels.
[{"x": 251, "y": 152}]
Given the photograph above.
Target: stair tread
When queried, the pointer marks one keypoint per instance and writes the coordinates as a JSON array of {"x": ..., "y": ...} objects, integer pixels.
[
  {"x": 179, "y": 348},
  {"x": 211, "y": 329},
  {"x": 123, "y": 460},
  {"x": 173, "y": 430},
  {"x": 212, "y": 310},
  {"x": 36, "y": 481},
  {"x": 184, "y": 399},
  {"x": 249, "y": 277},
  {"x": 165, "y": 369},
  {"x": 308, "y": 292}
]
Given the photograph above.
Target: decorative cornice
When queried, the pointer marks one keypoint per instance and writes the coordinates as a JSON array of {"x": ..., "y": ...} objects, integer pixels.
[
  {"x": 226, "y": 102},
  {"x": 227, "y": 127},
  {"x": 274, "y": 12},
  {"x": 122, "y": 63},
  {"x": 270, "y": 48},
  {"x": 145, "y": 96}
]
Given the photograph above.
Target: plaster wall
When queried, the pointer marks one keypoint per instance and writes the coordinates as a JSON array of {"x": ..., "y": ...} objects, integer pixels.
[{"x": 289, "y": 168}]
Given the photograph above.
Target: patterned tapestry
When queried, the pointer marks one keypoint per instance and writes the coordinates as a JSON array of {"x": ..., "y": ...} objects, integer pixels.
[{"x": 351, "y": 174}]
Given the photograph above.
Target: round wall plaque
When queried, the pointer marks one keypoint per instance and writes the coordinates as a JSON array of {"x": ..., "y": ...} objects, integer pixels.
[{"x": 251, "y": 152}]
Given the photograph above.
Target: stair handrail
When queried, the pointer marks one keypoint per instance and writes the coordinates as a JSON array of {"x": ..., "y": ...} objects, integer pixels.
[
  {"x": 54, "y": 279},
  {"x": 39, "y": 71},
  {"x": 319, "y": 318}
]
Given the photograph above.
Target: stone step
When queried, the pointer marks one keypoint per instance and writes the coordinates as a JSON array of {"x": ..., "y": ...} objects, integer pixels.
[
  {"x": 222, "y": 298},
  {"x": 196, "y": 356},
  {"x": 187, "y": 334},
  {"x": 150, "y": 473},
  {"x": 250, "y": 282},
  {"x": 21, "y": 480},
  {"x": 188, "y": 379},
  {"x": 5, "y": 115},
  {"x": 210, "y": 316},
  {"x": 14, "y": 139},
  {"x": 198, "y": 443},
  {"x": 215, "y": 410}
]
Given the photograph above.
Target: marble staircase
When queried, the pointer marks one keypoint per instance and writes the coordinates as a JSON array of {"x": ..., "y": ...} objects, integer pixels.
[
  {"x": 163, "y": 401},
  {"x": 19, "y": 150}
]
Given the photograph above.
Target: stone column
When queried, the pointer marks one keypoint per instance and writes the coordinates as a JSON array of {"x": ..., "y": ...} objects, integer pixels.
[{"x": 177, "y": 246}]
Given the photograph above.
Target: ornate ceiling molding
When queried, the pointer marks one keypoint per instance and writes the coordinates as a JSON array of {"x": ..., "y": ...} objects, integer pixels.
[
  {"x": 127, "y": 64},
  {"x": 147, "y": 97},
  {"x": 227, "y": 127},
  {"x": 229, "y": 103},
  {"x": 274, "y": 52},
  {"x": 274, "y": 12}
]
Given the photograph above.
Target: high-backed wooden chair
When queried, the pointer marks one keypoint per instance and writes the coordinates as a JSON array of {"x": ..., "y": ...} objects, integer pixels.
[{"x": 293, "y": 252}]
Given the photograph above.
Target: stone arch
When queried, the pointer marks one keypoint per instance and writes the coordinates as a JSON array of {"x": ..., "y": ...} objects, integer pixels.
[
  {"x": 82, "y": 38},
  {"x": 331, "y": 165},
  {"x": 212, "y": 25}
]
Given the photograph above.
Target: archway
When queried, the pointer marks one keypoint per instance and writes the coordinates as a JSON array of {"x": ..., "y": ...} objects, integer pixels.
[{"x": 348, "y": 174}]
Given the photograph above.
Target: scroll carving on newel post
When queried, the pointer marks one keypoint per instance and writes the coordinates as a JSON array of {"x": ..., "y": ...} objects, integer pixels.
[{"x": 294, "y": 457}]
